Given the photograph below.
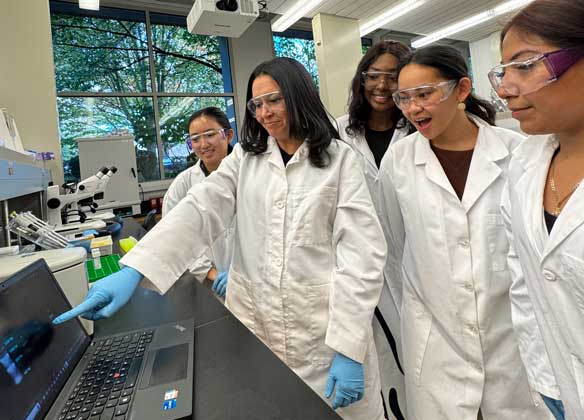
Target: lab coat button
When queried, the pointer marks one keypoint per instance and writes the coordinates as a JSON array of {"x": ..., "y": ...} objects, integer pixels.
[
  {"x": 464, "y": 243},
  {"x": 549, "y": 276},
  {"x": 478, "y": 367},
  {"x": 472, "y": 329},
  {"x": 280, "y": 204},
  {"x": 469, "y": 287},
  {"x": 279, "y": 262}
]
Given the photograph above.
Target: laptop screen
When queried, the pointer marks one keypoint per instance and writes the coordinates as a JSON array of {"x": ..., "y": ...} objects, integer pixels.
[{"x": 36, "y": 357}]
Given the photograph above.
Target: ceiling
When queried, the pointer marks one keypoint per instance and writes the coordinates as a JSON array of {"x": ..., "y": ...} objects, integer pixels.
[{"x": 433, "y": 15}]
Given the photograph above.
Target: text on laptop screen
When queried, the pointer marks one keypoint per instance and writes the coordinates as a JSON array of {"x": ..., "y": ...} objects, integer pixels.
[{"x": 36, "y": 357}]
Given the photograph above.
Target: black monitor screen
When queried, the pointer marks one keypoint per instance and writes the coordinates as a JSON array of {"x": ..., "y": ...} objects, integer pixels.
[{"x": 36, "y": 357}]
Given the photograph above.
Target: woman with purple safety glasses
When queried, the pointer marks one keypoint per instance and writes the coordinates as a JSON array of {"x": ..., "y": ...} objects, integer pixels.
[{"x": 542, "y": 81}]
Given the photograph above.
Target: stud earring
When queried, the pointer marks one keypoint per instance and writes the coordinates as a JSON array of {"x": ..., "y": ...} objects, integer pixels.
[{"x": 461, "y": 106}]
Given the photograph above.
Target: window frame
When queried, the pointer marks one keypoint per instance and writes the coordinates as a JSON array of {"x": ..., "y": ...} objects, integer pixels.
[{"x": 146, "y": 15}]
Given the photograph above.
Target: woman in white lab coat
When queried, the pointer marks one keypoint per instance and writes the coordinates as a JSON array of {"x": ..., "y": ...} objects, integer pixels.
[
  {"x": 447, "y": 248},
  {"x": 542, "y": 81},
  {"x": 209, "y": 138},
  {"x": 373, "y": 123},
  {"x": 309, "y": 249}
]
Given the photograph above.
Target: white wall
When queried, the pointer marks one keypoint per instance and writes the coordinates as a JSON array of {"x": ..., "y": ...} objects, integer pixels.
[
  {"x": 485, "y": 54},
  {"x": 333, "y": 35},
  {"x": 255, "y": 46},
  {"x": 27, "y": 76}
]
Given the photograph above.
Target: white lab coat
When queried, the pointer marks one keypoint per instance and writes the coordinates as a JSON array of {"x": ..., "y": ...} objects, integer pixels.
[
  {"x": 309, "y": 253},
  {"x": 221, "y": 253},
  {"x": 447, "y": 269},
  {"x": 553, "y": 269},
  {"x": 386, "y": 326}
]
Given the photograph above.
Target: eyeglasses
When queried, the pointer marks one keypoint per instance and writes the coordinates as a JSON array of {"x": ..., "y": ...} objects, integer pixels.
[
  {"x": 424, "y": 95},
  {"x": 270, "y": 101},
  {"x": 207, "y": 135},
  {"x": 373, "y": 78},
  {"x": 528, "y": 76}
]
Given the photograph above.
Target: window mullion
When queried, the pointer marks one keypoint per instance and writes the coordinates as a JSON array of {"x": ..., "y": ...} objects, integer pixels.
[{"x": 154, "y": 95}]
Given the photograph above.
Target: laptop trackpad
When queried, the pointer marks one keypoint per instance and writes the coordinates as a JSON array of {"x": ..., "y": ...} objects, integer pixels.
[{"x": 166, "y": 365}]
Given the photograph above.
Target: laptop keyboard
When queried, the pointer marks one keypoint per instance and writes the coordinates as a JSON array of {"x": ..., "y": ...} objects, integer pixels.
[{"x": 106, "y": 387}]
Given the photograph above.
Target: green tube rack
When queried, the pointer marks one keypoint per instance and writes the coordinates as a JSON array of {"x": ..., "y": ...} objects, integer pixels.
[{"x": 109, "y": 265}]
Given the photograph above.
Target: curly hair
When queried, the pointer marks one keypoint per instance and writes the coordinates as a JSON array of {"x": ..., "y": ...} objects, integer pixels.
[
  {"x": 359, "y": 107},
  {"x": 307, "y": 116}
]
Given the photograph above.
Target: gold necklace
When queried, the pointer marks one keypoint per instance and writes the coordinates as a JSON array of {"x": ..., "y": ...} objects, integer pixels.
[{"x": 558, "y": 203}]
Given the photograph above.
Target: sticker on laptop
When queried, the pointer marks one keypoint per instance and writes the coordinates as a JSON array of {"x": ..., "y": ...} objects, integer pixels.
[
  {"x": 169, "y": 405},
  {"x": 171, "y": 394},
  {"x": 170, "y": 397}
]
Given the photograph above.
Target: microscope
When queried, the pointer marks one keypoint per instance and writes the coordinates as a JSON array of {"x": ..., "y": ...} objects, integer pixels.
[{"x": 78, "y": 200}]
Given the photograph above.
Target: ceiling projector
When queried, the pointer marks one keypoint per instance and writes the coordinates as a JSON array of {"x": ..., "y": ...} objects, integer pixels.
[{"x": 228, "y": 18}]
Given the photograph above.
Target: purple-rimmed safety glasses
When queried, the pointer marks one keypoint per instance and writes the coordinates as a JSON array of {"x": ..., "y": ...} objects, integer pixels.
[{"x": 528, "y": 76}]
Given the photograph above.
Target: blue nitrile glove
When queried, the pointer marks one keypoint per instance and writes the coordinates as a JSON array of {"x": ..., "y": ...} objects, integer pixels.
[
  {"x": 220, "y": 284},
  {"x": 347, "y": 375},
  {"x": 105, "y": 297}
]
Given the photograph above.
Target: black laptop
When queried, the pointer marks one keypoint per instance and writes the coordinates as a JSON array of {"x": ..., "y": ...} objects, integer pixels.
[{"x": 59, "y": 372}]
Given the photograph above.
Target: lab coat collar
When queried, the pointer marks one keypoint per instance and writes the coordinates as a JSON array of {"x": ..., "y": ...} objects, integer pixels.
[
  {"x": 362, "y": 147},
  {"x": 533, "y": 156},
  {"x": 483, "y": 171},
  {"x": 276, "y": 157}
]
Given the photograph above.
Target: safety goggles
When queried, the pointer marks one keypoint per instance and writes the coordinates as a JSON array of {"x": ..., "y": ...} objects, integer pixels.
[
  {"x": 528, "y": 76},
  {"x": 271, "y": 101},
  {"x": 424, "y": 95},
  {"x": 208, "y": 135},
  {"x": 374, "y": 78}
]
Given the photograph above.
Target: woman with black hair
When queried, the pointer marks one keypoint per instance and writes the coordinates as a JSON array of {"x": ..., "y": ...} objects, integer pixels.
[
  {"x": 372, "y": 124},
  {"x": 309, "y": 249},
  {"x": 209, "y": 138},
  {"x": 447, "y": 247},
  {"x": 542, "y": 82}
]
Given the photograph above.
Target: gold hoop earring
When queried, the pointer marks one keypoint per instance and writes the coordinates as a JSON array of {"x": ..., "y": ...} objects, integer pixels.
[{"x": 461, "y": 106}]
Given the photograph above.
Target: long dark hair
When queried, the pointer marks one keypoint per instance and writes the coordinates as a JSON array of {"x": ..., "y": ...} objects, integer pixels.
[
  {"x": 451, "y": 65},
  {"x": 213, "y": 112},
  {"x": 359, "y": 107},
  {"x": 558, "y": 22},
  {"x": 307, "y": 117}
]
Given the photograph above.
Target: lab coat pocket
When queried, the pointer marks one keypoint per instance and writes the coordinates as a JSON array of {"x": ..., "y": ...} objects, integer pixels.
[
  {"x": 416, "y": 328},
  {"x": 578, "y": 368},
  {"x": 238, "y": 299},
  {"x": 312, "y": 214},
  {"x": 318, "y": 303},
  {"x": 497, "y": 242},
  {"x": 573, "y": 268}
]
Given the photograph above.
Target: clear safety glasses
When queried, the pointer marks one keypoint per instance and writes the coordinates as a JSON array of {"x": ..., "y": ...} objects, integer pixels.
[
  {"x": 208, "y": 135},
  {"x": 528, "y": 76},
  {"x": 271, "y": 101},
  {"x": 374, "y": 78},
  {"x": 424, "y": 95}
]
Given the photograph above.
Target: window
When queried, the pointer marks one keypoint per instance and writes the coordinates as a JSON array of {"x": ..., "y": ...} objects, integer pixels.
[
  {"x": 300, "y": 46},
  {"x": 135, "y": 71}
]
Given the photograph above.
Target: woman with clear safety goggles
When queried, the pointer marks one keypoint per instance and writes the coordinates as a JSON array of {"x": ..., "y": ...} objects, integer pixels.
[
  {"x": 309, "y": 250},
  {"x": 541, "y": 79},
  {"x": 441, "y": 191},
  {"x": 209, "y": 138},
  {"x": 373, "y": 122}
]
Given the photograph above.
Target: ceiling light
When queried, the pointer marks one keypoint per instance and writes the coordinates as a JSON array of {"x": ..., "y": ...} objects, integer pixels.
[
  {"x": 389, "y": 15},
  {"x": 295, "y": 13},
  {"x": 89, "y": 4},
  {"x": 470, "y": 22}
]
